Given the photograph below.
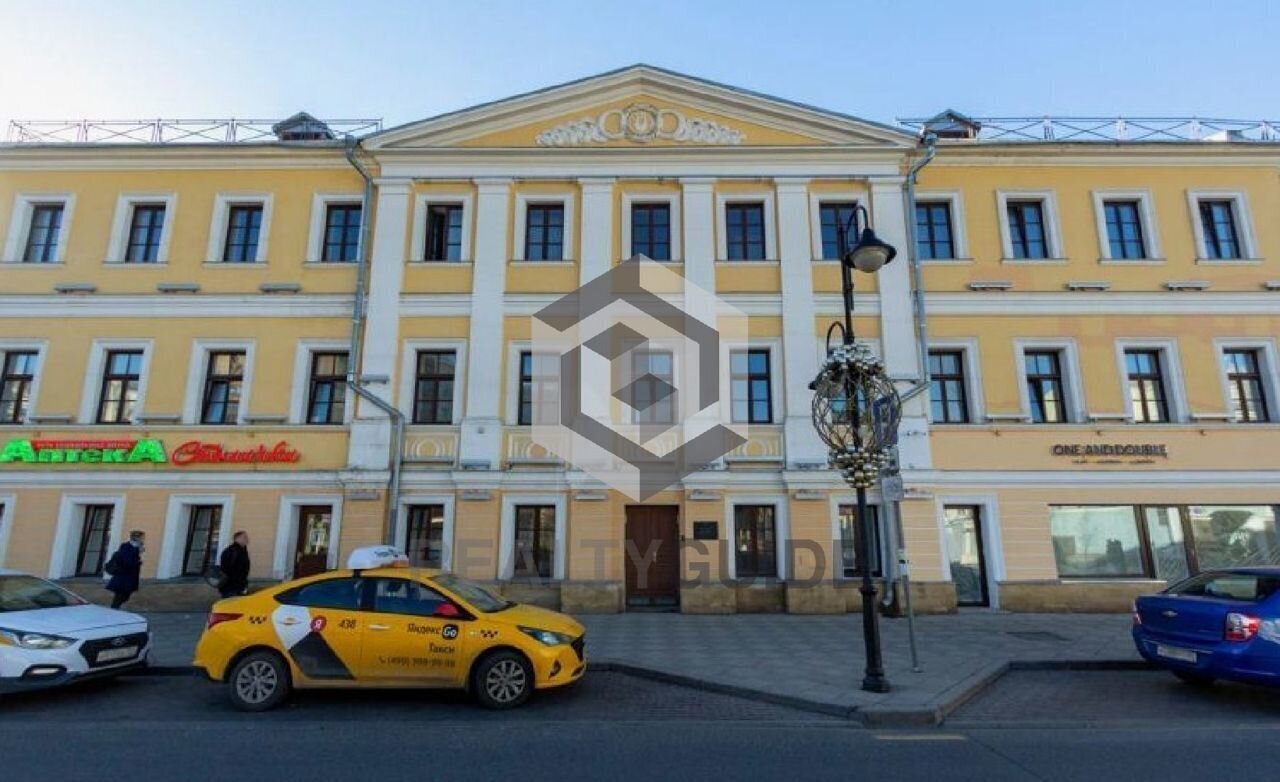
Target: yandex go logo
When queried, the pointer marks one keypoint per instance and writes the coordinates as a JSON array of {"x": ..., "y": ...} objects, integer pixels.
[{"x": 626, "y": 378}]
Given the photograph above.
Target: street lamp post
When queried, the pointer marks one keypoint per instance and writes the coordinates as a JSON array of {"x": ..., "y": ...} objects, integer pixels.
[{"x": 856, "y": 411}]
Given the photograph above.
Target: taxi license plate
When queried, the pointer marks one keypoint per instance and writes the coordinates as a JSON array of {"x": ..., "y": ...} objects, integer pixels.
[
  {"x": 123, "y": 653},
  {"x": 1174, "y": 653}
]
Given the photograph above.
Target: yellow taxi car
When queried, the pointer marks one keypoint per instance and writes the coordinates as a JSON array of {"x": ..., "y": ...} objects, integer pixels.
[{"x": 380, "y": 623}]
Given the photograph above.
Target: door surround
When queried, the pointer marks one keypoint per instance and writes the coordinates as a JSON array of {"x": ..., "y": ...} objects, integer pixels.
[{"x": 287, "y": 531}]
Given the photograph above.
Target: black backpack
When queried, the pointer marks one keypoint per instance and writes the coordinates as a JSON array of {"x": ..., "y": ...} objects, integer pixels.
[{"x": 113, "y": 565}]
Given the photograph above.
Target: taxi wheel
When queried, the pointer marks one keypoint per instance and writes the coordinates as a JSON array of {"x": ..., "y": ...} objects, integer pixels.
[
  {"x": 258, "y": 682},
  {"x": 503, "y": 680}
]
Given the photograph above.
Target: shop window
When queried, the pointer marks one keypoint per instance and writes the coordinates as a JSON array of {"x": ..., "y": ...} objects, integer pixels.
[
  {"x": 1234, "y": 536},
  {"x": 535, "y": 541},
  {"x": 424, "y": 537},
  {"x": 1101, "y": 541},
  {"x": 755, "y": 541},
  {"x": 851, "y": 533}
]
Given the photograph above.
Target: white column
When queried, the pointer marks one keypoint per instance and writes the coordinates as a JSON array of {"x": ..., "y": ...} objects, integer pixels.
[
  {"x": 799, "y": 343},
  {"x": 370, "y": 429},
  {"x": 597, "y": 227},
  {"x": 481, "y": 436},
  {"x": 897, "y": 319},
  {"x": 699, "y": 222}
]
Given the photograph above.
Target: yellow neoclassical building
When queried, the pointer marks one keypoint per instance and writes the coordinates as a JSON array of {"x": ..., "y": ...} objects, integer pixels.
[{"x": 326, "y": 342}]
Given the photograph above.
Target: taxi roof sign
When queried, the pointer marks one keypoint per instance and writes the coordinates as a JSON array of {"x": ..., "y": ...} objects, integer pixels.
[{"x": 371, "y": 557}]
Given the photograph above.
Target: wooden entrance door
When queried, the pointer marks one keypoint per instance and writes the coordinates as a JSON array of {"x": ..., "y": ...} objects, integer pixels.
[
  {"x": 652, "y": 556},
  {"x": 315, "y": 523}
]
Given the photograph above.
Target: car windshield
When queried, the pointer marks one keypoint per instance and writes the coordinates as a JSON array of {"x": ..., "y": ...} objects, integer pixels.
[
  {"x": 473, "y": 593},
  {"x": 26, "y": 593}
]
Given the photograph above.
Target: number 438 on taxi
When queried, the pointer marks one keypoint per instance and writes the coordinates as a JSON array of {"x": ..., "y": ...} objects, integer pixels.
[{"x": 381, "y": 623}]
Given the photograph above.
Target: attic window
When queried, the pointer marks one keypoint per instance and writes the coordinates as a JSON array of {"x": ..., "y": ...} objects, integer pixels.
[
  {"x": 952, "y": 124},
  {"x": 302, "y": 127}
]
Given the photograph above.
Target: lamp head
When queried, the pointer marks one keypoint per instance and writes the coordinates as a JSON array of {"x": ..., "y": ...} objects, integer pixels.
[{"x": 870, "y": 253}]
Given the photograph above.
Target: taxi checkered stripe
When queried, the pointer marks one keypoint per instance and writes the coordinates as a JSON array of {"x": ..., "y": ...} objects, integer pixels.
[
  {"x": 488, "y": 633},
  {"x": 257, "y": 620}
]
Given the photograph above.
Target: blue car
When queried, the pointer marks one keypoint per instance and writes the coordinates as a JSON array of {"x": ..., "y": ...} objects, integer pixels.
[{"x": 1220, "y": 624}]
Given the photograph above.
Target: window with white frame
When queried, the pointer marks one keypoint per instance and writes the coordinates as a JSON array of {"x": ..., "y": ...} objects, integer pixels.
[
  {"x": 745, "y": 227},
  {"x": 651, "y": 226},
  {"x": 948, "y": 386},
  {"x": 940, "y": 229},
  {"x": 327, "y": 387},
  {"x": 544, "y": 227},
  {"x": 141, "y": 228},
  {"x": 38, "y": 228},
  {"x": 1049, "y": 371},
  {"x": 218, "y": 382},
  {"x": 1126, "y": 225},
  {"x": 1246, "y": 371},
  {"x": 334, "y": 233},
  {"x": 240, "y": 227},
  {"x": 755, "y": 541},
  {"x": 121, "y": 386},
  {"x": 441, "y": 228},
  {"x": 532, "y": 541},
  {"x": 19, "y": 366},
  {"x": 1029, "y": 225},
  {"x": 1149, "y": 383},
  {"x": 1221, "y": 224},
  {"x": 751, "y": 386}
]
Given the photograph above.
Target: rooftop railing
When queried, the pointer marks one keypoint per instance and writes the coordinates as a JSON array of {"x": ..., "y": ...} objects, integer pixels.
[
  {"x": 167, "y": 131},
  {"x": 1107, "y": 129}
]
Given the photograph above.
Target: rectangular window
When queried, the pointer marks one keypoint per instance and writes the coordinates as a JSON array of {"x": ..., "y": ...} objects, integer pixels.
[
  {"x": 341, "y": 233},
  {"x": 118, "y": 396},
  {"x": 244, "y": 223},
  {"x": 425, "y": 535},
  {"x": 851, "y": 541},
  {"x": 535, "y": 541},
  {"x": 1100, "y": 541},
  {"x": 201, "y": 551},
  {"x": 1166, "y": 536},
  {"x": 433, "y": 389},
  {"x": 1239, "y": 536},
  {"x": 754, "y": 532},
  {"x": 17, "y": 375},
  {"x": 836, "y": 224},
  {"x": 651, "y": 231},
  {"x": 327, "y": 393},
  {"x": 1044, "y": 386},
  {"x": 1124, "y": 229},
  {"x": 223, "y": 382},
  {"x": 1221, "y": 236},
  {"x": 744, "y": 231},
  {"x": 444, "y": 233},
  {"x": 146, "y": 227},
  {"x": 524, "y": 408},
  {"x": 948, "y": 400},
  {"x": 653, "y": 400},
  {"x": 934, "y": 238},
  {"x": 544, "y": 233},
  {"x": 42, "y": 234},
  {"x": 1244, "y": 381},
  {"x": 1027, "y": 238},
  {"x": 750, "y": 387},
  {"x": 1147, "y": 403},
  {"x": 94, "y": 534}
]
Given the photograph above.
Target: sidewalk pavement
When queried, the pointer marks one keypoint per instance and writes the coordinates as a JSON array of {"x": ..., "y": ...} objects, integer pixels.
[{"x": 814, "y": 662}]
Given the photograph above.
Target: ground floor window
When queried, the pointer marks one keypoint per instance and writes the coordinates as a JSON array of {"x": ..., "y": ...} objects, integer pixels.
[
  {"x": 202, "y": 539},
  {"x": 94, "y": 536},
  {"x": 851, "y": 541},
  {"x": 1167, "y": 542},
  {"x": 425, "y": 535},
  {"x": 755, "y": 541},
  {"x": 535, "y": 541}
]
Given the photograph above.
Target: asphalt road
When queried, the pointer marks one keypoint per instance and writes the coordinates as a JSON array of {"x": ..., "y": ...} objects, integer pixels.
[{"x": 613, "y": 727}]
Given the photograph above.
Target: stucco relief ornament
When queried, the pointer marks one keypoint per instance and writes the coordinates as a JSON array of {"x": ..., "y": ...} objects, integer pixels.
[{"x": 640, "y": 123}]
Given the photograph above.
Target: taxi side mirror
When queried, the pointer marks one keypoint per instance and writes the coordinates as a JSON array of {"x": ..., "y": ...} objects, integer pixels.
[{"x": 446, "y": 611}]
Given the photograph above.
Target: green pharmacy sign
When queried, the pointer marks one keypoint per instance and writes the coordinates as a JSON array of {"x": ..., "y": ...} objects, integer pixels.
[{"x": 83, "y": 452}]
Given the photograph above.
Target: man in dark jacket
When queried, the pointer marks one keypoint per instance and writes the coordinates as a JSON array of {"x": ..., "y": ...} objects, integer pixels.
[
  {"x": 125, "y": 567},
  {"x": 234, "y": 564}
]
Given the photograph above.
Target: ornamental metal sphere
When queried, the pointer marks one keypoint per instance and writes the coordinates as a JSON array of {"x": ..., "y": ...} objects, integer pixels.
[{"x": 858, "y": 436}]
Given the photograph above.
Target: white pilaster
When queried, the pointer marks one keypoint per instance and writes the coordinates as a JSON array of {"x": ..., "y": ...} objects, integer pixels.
[
  {"x": 799, "y": 354},
  {"x": 370, "y": 429},
  {"x": 597, "y": 227},
  {"x": 699, "y": 221},
  {"x": 481, "y": 435},
  {"x": 897, "y": 321}
]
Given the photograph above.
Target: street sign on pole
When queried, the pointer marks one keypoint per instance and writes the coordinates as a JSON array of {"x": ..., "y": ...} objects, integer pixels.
[{"x": 891, "y": 488}]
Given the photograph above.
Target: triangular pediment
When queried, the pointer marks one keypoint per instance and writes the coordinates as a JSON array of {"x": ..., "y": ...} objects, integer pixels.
[{"x": 639, "y": 106}]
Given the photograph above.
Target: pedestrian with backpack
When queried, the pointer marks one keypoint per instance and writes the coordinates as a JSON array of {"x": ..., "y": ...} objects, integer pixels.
[{"x": 125, "y": 568}]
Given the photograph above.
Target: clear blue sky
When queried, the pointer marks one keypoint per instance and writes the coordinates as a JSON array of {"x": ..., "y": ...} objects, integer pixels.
[{"x": 406, "y": 60}]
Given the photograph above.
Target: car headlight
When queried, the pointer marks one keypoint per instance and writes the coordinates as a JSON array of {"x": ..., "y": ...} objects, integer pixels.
[
  {"x": 546, "y": 636},
  {"x": 34, "y": 640}
]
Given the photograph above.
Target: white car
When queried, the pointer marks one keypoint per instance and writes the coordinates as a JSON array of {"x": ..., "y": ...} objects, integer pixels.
[{"x": 49, "y": 636}]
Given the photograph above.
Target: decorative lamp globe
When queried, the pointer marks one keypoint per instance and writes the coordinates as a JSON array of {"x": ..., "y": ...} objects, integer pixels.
[{"x": 859, "y": 437}]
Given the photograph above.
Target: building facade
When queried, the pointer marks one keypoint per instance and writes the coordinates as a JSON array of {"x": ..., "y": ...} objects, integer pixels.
[{"x": 197, "y": 338}]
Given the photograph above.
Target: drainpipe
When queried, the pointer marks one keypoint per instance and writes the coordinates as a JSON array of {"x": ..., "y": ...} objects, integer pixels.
[
  {"x": 357, "y": 345},
  {"x": 917, "y": 283}
]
